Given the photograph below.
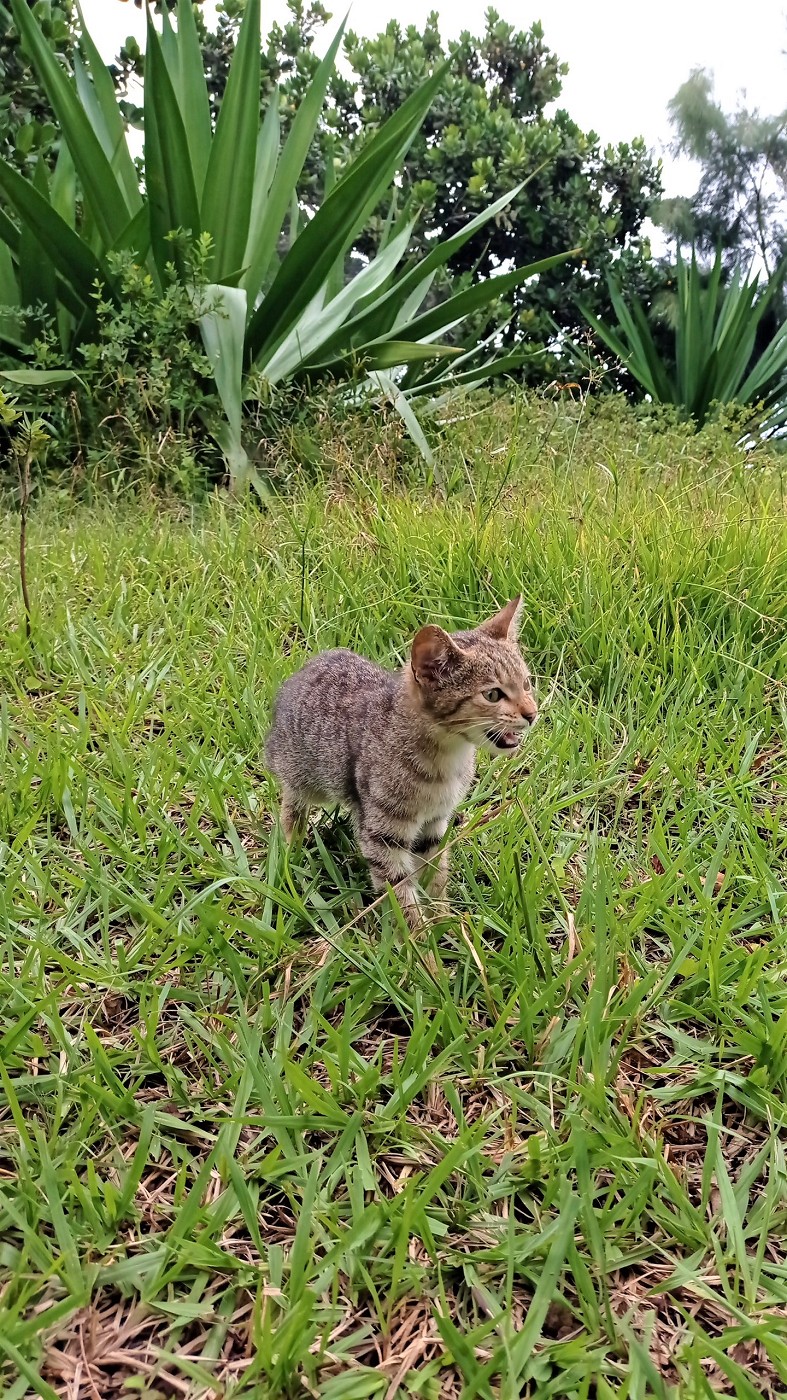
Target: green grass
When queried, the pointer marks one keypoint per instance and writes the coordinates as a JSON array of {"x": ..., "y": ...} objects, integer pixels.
[{"x": 255, "y": 1140}]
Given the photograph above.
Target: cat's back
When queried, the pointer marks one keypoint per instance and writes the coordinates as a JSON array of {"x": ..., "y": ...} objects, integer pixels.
[
  {"x": 338, "y": 676},
  {"x": 319, "y": 715}
]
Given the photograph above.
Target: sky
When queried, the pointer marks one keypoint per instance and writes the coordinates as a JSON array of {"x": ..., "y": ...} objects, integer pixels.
[{"x": 623, "y": 67}]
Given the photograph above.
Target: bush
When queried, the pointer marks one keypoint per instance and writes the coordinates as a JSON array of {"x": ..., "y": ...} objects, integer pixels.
[
  {"x": 135, "y": 412},
  {"x": 715, "y": 359}
]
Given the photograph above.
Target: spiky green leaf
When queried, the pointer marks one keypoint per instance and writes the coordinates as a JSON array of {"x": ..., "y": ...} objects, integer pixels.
[
  {"x": 268, "y": 216},
  {"x": 335, "y": 224},
  {"x": 193, "y": 93},
  {"x": 71, "y": 256},
  {"x": 170, "y": 181},
  {"x": 102, "y": 190},
  {"x": 229, "y": 182}
]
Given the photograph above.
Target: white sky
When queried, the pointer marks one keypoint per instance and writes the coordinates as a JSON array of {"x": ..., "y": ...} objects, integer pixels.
[{"x": 626, "y": 59}]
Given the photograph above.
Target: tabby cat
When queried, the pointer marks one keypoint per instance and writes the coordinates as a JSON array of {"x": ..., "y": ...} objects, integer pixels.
[{"x": 398, "y": 748}]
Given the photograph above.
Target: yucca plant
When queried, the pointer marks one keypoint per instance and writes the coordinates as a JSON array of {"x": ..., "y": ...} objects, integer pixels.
[
  {"x": 716, "y": 358},
  {"x": 264, "y": 315}
]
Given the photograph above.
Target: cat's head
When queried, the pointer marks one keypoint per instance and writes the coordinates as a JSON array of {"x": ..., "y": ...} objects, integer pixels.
[{"x": 476, "y": 684}]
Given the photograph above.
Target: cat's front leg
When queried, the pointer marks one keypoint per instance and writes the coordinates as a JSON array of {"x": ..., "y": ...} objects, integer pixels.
[
  {"x": 433, "y": 864},
  {"x": 392, "y": 864},
  {"x": 438, "y": 883}
]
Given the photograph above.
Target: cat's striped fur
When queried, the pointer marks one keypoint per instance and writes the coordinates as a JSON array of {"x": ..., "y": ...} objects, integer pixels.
[{"x": 398, "y": 748}]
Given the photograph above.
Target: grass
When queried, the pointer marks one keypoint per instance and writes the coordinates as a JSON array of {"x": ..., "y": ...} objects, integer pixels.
[{"x": 255, "y": 1140}]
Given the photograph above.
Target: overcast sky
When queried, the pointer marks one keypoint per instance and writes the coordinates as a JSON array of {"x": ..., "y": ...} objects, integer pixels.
[{"x": 625, "y": 59}]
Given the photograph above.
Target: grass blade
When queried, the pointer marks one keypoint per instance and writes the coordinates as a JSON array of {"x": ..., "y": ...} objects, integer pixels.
[
  {"x": 39, "y": 1387},
  {"x": 522, "y": 1349},
  {"x": 396, "y": 398}
]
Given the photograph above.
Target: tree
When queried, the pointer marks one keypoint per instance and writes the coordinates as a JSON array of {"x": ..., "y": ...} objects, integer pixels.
[
  {"x": 740, "y": 204},
  {"x": 489, "y": 131}
]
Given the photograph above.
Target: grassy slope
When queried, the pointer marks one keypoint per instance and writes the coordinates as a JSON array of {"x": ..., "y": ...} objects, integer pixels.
[{"x": 252, "y": 1137}]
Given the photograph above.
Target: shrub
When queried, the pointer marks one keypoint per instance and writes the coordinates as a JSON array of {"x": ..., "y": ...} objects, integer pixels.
[
  {"x": 136, "y": 413},
  {"x": 716, "y": 359}
]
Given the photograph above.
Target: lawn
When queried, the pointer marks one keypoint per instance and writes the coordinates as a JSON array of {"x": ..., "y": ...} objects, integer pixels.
[{"x": 255, "y": 1139}]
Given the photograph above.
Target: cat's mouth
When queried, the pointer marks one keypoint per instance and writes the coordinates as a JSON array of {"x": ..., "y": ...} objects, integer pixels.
[{"x": 506, "y": 740}]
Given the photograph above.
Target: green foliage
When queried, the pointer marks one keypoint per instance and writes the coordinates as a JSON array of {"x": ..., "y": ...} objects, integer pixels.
[
  {"x": 716, "y": 359},
  {"x": 9, "y": 413},
  {"x": 268, "y": 1146},
  {"x": 282, "y": 316},
  {"x": 133, "y": 411},
  {"x": 487, "y": 131},
  {"x": 146, "y": 391},
  {"x": 27, "y": 124},
  {"x": 490, "y": 130},
  {"x": 739, "y": 204},
  {"x": 25, "y": 436}
]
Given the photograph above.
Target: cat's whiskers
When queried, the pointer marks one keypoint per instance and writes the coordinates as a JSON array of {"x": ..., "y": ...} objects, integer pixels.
[{"x": 482, "y": 726}]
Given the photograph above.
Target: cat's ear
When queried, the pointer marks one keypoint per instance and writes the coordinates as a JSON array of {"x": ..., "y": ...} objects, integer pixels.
[
  {"x": 432, "y": 654},
  {"x": 505, "y": 624}
]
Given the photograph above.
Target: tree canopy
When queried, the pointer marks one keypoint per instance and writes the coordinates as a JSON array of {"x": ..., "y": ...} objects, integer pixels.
[{"x": 740, "y": 204}]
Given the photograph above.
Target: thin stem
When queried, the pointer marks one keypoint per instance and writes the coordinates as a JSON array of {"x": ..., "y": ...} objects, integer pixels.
[{"x": 24, "y": 497}]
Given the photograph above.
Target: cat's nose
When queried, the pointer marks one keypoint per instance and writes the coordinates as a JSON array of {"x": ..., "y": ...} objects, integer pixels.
[{"x": 528, "y": 709}]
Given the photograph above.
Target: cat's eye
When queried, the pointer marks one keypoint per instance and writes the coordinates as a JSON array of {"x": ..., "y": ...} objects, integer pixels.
[{"x": 494, "y": 695}]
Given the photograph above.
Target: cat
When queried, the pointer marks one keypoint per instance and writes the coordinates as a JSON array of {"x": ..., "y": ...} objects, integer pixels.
[{"x": 398, "y": 748}]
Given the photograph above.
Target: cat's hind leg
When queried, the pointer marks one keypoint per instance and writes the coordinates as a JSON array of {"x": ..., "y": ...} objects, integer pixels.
[{"x": 294, "y": 814}]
